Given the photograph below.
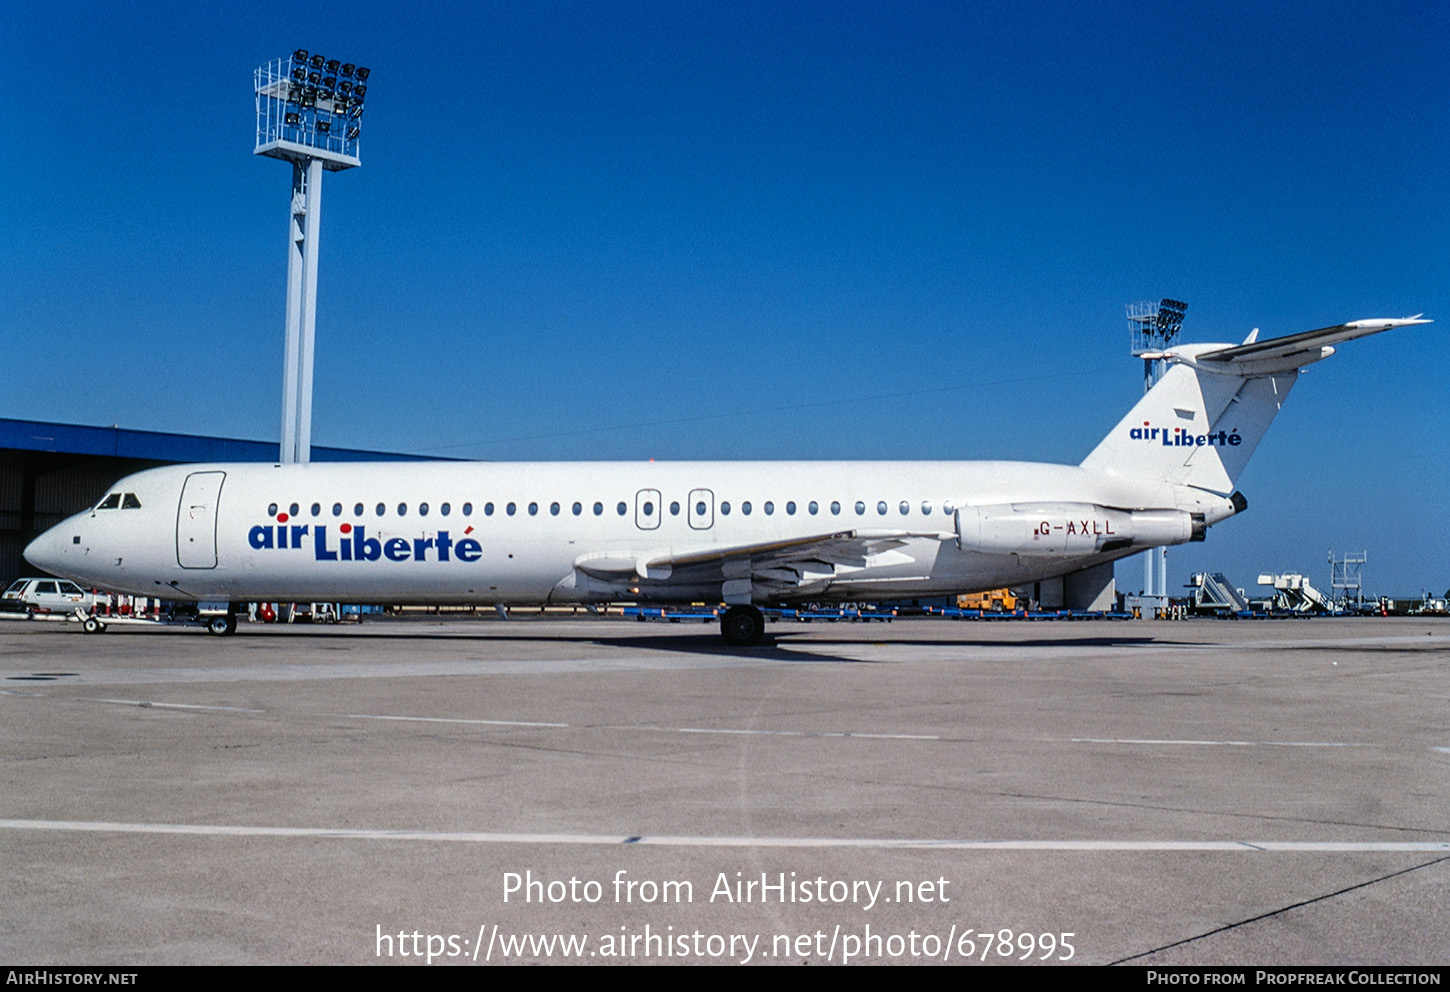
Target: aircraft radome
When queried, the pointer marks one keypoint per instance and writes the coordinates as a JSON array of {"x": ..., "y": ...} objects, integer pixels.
[{"x": 741, "y": 533}]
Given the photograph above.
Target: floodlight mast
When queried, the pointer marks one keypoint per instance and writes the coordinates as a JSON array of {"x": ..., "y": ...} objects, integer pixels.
[
  {"x": 309, "y": 110},
  {"x": 1154, "y": 327}
]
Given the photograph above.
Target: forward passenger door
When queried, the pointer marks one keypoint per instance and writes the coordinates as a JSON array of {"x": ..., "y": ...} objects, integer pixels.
[{"x": 196, "y": 520}]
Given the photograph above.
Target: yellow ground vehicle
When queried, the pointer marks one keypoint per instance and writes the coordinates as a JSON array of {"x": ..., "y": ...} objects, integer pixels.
[{"x": 999, "y": 600}]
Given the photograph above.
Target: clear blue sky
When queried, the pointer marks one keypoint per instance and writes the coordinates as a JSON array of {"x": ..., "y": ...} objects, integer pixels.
[{"x": 774, "y": 230}]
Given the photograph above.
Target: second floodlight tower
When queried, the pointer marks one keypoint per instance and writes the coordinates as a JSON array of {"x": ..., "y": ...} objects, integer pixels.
[
  {"x": 1154, "y": 327},
  {"x": 309, "y": 111}
]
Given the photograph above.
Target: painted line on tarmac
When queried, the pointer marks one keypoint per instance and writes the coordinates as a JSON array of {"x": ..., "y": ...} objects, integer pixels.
[
  {"x": 785, "y": 733},
  {"x": 651, "y": 729},
  {"x": 733, "y": 731},
  {"x": 666, "y": 840},
  {"x": 1108, "y": 740},
  {"x": 451, "y": 719},
  {"x": 472, "y": 721},
  {"x": 147, "y": 704}
]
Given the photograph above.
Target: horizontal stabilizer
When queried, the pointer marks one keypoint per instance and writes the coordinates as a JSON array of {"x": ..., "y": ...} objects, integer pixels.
[{"x": 1306, "y": 346}]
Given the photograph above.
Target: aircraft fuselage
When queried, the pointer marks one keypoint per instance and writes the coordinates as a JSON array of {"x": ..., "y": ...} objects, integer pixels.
[{"x": 490, "y": 533}]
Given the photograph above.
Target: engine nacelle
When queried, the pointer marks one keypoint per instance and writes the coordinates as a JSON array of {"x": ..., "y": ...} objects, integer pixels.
[{"x": 1071, "y": 528}]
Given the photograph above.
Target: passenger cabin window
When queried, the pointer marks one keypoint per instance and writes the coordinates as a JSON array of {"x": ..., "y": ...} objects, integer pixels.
[{"x": 423, "y": 509}]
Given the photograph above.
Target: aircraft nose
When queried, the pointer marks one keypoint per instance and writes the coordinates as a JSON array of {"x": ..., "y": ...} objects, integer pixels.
[{"x": 47, "y": 552}]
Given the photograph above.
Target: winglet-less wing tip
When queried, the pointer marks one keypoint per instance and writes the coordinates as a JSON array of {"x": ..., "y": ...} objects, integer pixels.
[{"x": 1383, "y": 324}]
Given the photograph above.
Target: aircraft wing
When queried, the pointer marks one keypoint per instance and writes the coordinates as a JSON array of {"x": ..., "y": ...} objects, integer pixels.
[
  {"x": 782, "y": 566},
  {"x": 1306, "y": 347}
]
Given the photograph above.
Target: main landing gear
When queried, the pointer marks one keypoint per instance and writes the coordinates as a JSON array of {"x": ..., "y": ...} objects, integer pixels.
[{"x": 742, "y": 626}]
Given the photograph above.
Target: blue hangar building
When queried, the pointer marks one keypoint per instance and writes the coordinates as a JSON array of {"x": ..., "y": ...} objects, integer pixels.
[{"x": 50, "y": 471}]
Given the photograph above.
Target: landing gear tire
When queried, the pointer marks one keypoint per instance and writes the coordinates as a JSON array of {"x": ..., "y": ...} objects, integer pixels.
[
  {"x": 223, "y": 625},
  {"x": 93, "y": 626},
  {"x": 742, "y": 626}
]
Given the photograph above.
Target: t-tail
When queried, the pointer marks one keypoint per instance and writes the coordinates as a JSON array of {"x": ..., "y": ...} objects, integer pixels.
[{"x": 1200, "y": 423}]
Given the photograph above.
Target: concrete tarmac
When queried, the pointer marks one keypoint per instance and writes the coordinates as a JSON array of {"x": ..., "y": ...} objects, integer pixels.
[{"x": 457, "y": 790}]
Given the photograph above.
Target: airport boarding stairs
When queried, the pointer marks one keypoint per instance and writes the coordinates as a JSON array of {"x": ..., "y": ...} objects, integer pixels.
[
  {"x": 1294, "y": 593},
  {"x": 1214, "y": 593}
]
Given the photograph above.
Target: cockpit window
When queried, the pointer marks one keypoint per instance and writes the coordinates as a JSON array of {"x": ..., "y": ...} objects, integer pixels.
[
  {"x": 111, "y": 502},
  {"x": 130, "y": 502}
]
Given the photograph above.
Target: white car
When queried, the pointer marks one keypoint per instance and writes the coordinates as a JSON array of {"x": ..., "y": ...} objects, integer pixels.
[{"x": 33, "y": 596}]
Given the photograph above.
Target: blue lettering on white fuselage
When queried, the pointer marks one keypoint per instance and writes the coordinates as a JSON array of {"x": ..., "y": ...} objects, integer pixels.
[
  {"x": 353, "y": 544},
  {"x": 1180, "y": 438}
]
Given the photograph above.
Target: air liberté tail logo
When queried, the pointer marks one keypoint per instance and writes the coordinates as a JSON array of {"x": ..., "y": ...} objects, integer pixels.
[
  {"x": 1180, "y": 438},
  {"x": 353, "y": 544}
]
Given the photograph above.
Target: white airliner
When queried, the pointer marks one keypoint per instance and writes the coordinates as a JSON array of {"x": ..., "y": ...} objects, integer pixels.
[{"x": 741, "y": 533}]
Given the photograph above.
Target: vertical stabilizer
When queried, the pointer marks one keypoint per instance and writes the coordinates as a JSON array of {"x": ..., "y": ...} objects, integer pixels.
[
  {"x": 1195, "y": 427},
  {"x": 1201, "y": 422}
]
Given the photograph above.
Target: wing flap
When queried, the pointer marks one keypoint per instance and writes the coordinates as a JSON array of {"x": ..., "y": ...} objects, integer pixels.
[
  {"x": 776, "y": 566},
  {"x": 787, "y": 549}
]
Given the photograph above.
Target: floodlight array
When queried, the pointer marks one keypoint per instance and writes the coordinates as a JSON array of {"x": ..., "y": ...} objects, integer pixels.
[
  {"x": 1170, "y": 317},
  {"x": 312, "y": 101}
]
